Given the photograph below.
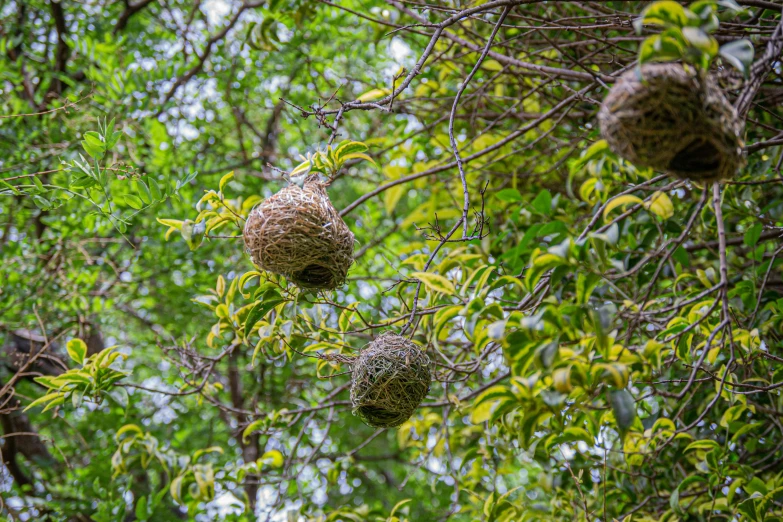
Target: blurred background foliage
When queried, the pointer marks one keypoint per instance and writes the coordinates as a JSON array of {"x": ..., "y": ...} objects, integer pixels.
[{"x": 590, "y": 363}]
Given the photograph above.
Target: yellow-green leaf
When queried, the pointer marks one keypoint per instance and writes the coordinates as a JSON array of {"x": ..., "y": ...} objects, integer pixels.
[
  {"x": 176, "y": 489},
  {"x": 391, "y": 197},
  {"x": 620, "y": 201},
  {"x": 225, "y": 179},
  {"x": 127, "y": 428},
  {"x": 221, "y": 286},
  {"x": 491, "y": 65},
  {"x": 41, "y": 400},
  {"x": 435, "y": 282},
  {"x": 660, "y": 205},
  {"x": 358, "y": 155},
  {"x": 77, "y": 350},
  {"x": 374, "y": 94},
  {"x": 273, "y": 458}
]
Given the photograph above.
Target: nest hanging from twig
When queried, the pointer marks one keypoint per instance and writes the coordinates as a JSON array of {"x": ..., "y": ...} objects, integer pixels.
[
  {"x": 390, "y": 378},
  {"x": 667, "y": 118},
  {"x": 297, "y": 233}
]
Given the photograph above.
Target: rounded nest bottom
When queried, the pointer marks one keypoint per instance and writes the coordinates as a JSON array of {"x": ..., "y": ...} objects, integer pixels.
[
  {"x": 390, "y": 378},
  {"x": 667, "y": 118},
  {"x": 297, "y": 233}
]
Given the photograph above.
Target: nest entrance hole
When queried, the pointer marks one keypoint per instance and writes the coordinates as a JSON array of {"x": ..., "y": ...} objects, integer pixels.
[
  {"x": 700, "y": 155},
  {"x": 314, "y": 276}
]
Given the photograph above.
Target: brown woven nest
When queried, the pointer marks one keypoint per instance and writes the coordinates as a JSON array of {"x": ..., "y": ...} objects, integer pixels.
[
  {"x": 390, "y": 378},
  {"x": 667, "y": 118},
  {"x": 297, "y": 233}
]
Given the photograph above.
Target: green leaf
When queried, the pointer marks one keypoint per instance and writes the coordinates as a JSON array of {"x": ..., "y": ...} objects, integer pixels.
[
  {"x": 753, "y": 234},
  {"x": 541, "y": 264},
  {"x": 225, "y": 179},
  {"x": 176, "y": 489},
  {"x": 344, "y": 322},
  {"x": 77, "y": 350},
  {"x": 543, "y": 203},
  {"x": 173, "y": 224},
  {"x": 76, "y": 398},
  {"x": 732, "y": 414},
  {"x": 746, "y": 428},
  {"x": 391, "y": 197},
  {"x": 358, "y": 156},
  {"x": 134, "y": 201},
  {"x": 398, "y": 505},
  {"x": 83, "y": 182},
  {"x": 273, "y": 458},
  {"x": 193, "y": 233},
  {"x": 674, "y": 499},
  {"x": 374, "y": 94},
  {"x": 212, "y": 449},
  {"x": 435, "y": 282},
  {"x": 260, "y": 310},
  {"x": 154, "y": 189},
  {"x": 141, "y": 509},
  {"x": 732, "y": 5},
  {"x": 113, "y": 139},
  {"x": 487, "y": 401},
  {"x": 621, "y": 201},
  {"x": 660, "y": 205},
  {"x": 756, "y": 485},
  {"x": 253, "y": 426},
  {"x": 350, "y": 148},
  {"x": 42, "y": 203},
  {"x": 664, "y": 13},
  {"x": 624, "y": 408},
  {"x": 704, "y": 445},
  {"x": 701, "y": 40},
  {"x": 598, "y": 149},
  {"x": 739, "y": 54},
  {"x": 39, "y": 185},
  {"x": 572, "y": 434},
  {"x": 546, "y": 353},
  {"x": 509, "y": 195},
  {"x": 94, "y": 139},
  {"x": 301, "y": 169},
  {"x": 92, "y": 150},
  {"x": 143, "y": 191},
  {"x": 9, "y": 186},
  {"x": 126, "y": 429},
  {"x": 46, "y": 398},
  {"x": 660, "y": 48}
]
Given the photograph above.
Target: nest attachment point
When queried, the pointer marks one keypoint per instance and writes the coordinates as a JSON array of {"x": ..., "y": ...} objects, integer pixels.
[
  {"x": 390, "y": 378},
  {"x": 297, "y": 233},
  {"x": 670, "y": 119}
]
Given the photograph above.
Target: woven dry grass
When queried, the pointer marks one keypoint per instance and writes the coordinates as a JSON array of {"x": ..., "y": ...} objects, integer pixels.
[
  {"x": 390, "y": 378},
  {"x": 669, "y": 119},
  {"x": 297, "y": 233}
]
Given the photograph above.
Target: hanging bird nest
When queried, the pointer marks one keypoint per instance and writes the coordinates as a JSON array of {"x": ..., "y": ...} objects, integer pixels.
[
  {"x": 390, "y": 378},
  {"x": 297, "y": 233},
  {"x": 667, "y": 118}
]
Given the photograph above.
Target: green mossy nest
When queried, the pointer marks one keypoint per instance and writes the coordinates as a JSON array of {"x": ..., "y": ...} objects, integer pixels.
[
  {"x": 297, "y": 233},
  {"x": 390, "y": 378},
  {"x": 667, "y": 118}
]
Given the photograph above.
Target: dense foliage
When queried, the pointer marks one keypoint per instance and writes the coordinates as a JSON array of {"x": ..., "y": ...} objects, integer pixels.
[{"x": 605, "y": 339}]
